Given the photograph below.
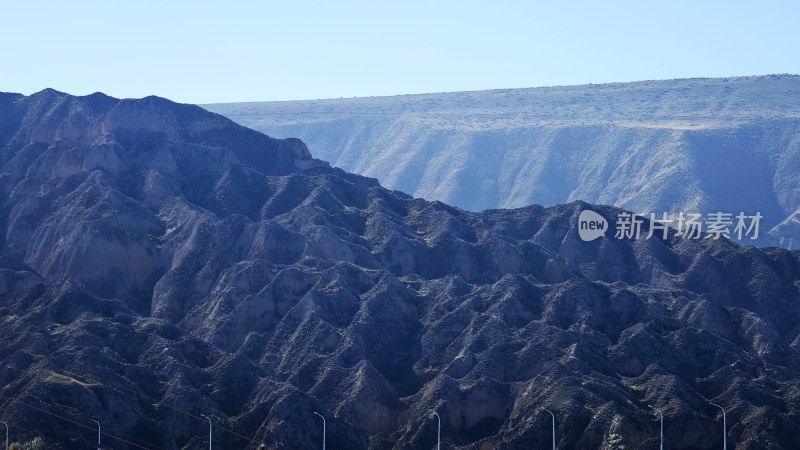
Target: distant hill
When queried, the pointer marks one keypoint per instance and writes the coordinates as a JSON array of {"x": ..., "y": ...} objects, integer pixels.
[{"x": 707, "y": 145}]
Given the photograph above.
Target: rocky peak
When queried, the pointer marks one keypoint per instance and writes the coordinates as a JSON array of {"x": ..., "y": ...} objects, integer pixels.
[{"x": 49, "y": 117}]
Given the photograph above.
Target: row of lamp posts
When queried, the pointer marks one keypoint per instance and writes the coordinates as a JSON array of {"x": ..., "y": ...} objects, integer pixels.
[
  {"x": 439, "y": 429},
  {"x": 724, "y": 428},
  {"x": 661, "y": 431}
]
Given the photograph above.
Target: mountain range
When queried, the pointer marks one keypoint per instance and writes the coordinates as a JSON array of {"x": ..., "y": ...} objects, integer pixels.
[
  {"x": 694, "y": 145},
  {"x": 163, "y": 268}
]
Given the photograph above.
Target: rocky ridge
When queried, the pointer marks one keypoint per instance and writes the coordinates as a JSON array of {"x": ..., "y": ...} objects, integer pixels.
[{"x": 161, "y": 262}]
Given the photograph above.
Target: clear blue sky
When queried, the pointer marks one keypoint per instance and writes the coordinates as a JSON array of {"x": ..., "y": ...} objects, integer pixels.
[{"x": 222, "y": 51}]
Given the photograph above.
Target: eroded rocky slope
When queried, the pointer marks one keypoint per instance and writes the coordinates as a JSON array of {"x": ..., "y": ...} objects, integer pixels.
[
  {"x": 707, "y": 145},
  {"x": 160, "y": 262}
]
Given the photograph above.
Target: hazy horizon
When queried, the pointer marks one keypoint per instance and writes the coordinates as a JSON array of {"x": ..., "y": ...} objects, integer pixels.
[{"x": 516, "y": 88}]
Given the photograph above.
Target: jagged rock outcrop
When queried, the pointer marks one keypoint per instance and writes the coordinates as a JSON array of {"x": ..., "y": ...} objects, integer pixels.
[
  {"x": 160, "y": 262},
  {"x": 707, "y": 145}
]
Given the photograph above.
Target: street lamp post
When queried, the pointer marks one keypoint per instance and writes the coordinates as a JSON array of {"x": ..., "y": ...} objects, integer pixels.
[
  {"x": 6, "y": 434},
  {"x": 438, "y": 430},
  {"x": 724, "y": 427},
  {"x": 98, "y": 433},
  {"x": 554, "y": 427},
  {"x": 209, "y": 429},
  {"x": 661, "y": 446},
  {"x": 324, "y": 430}
]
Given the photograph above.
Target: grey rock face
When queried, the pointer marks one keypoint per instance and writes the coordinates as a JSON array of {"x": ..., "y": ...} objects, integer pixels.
[
  {"x": 160, "y": 262},
  {"x": 708, "y": 145}
]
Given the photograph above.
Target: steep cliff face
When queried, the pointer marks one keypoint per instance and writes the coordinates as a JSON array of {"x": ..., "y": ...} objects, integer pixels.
[
  {"x": 160, "y": 262},
  {"x": 704, "y": 145}
]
